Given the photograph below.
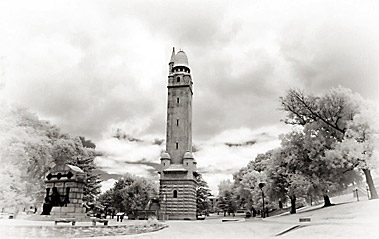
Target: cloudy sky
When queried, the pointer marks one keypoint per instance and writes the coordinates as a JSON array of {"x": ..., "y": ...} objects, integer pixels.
[{"x": 92, "y": 67}]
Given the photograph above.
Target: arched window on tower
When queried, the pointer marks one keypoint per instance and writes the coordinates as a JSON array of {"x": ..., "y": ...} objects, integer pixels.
[
  {"x": 177, "y": 145},
  {"x": 175, "y": 194},
  {"x": 178, "y": 79}
]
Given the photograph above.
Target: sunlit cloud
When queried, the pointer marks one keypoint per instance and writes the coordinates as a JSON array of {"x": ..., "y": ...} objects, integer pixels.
[
  {"x": 217, "y": 159},
  {"x": 95, "y": 71}
]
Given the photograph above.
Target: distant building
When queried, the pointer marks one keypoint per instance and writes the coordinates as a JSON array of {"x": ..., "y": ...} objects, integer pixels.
[
  {"x": 213, "y": 201},
  {"x": 177, "y": 192}
]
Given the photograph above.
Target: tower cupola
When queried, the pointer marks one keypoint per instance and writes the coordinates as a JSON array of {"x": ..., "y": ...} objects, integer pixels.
[
  {"x": 181, "y": 63},
  {"x": 181, "y": 59},
  {"x": 189, "y": 161},
  {"x": 188, "y": 155},
  {"x": 165, "y": 155},
  {"x": 165, "y": 159}
]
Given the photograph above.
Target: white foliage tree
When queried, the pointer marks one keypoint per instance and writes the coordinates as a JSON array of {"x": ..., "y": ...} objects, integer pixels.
[
  {"x": 360, "y": 146},
  {"x": 28, "y": 149},
  {"x": 339, "y": 127}
]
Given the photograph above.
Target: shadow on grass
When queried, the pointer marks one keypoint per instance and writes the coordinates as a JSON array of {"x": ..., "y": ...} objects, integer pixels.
[{"x": 322, "y": 207}]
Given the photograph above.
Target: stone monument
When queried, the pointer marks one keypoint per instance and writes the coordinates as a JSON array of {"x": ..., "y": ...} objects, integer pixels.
[{"x": 64, "y": 192}]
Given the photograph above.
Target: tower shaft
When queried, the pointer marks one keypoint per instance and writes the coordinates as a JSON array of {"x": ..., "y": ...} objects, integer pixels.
[{"x": 179, "y": 116}]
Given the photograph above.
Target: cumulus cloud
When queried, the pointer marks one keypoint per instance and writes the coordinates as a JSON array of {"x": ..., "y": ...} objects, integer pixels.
[
  {"x": 121, "y": 156},
  {"x": 217, "y": 160},
  {"x": 128, "y": 151},
  {"x": 95, "y": 68},
  {"x": 327, "y": 53},
  {"x": 80, "y": 68},
  {"x": 92, "y": 67},
  {"x": 120, "y": 168}
]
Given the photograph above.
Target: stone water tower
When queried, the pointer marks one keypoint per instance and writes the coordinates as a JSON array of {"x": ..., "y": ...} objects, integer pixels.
[{"x": 177, "y": 192}]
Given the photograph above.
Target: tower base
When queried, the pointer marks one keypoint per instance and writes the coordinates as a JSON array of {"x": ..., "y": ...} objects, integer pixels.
[{"x": 177, "y": 199}]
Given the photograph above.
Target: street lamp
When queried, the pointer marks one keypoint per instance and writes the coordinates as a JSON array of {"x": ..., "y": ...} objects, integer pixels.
[
  {"x": 165, "y": 206},
  {"x": 356, "y": 193},
  {"x": 261, "y": 185},
  {"x": 368, "y": 193}
]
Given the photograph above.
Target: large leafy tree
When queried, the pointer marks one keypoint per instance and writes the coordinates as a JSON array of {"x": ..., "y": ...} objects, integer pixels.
[
  {"x": 106, "y": 198},
  {"x": 308, "y": 173},
  {"x": 359, "y": 148},
  {"x": 282, "y": 175},
  {"x": 129, "y": 194},
  {"x": 25, "y": 156},
  {"x": 327, "y": 121},
  {"x": 246, "y": 185},
  {"x": 29, "y": 147},
  {"x": 242, "y": 192},
  {"x": 226, "y": 200},
  {"x": 334, "y": 135}
]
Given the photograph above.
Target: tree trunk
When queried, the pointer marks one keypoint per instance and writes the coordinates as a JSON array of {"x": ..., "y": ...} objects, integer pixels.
[
  {"x": 327, "y": 202},
  {"x": 370, "y": 183},
  {"x": 293, "y": 204}
]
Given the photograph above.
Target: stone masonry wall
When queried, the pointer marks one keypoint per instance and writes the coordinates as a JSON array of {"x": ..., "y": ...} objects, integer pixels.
[
  {"x": 182, "y": 207},
  {"x": 74, "y": 208}
]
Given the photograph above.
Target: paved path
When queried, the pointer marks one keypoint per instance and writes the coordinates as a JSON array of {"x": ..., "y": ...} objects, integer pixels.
[
  {"x": 213, "y": 227},
  {"x": 347, "y": 220}
]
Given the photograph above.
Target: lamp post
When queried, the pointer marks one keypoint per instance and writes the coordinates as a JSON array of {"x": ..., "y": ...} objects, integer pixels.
[
  {"x": 165, "y": 206},
  {"x": 368, "y": 193},
  {"x": 261, "y": 185},
  {"x": 356, "y": 193}
]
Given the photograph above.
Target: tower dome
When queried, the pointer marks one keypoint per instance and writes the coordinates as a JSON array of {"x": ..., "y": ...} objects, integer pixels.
[
  {"x": 165, "y": 155},
  {"x": 188, "y": 155},
  {"x": 181, "y": 59}
]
